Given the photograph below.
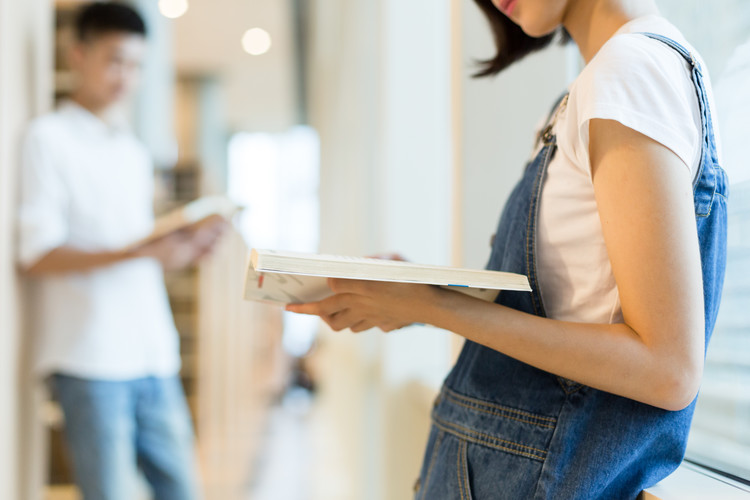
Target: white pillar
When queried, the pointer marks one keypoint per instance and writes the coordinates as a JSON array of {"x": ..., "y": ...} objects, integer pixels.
[
  {"x": 25, "y": 89},
  {"x": 416, "y": 175},
  {"x": 382, "y": 100}
]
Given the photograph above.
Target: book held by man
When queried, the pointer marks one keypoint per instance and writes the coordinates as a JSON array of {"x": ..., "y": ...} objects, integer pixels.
[
  {"x": 188, "y": 215},
  {"x": 292, "y": 278}
]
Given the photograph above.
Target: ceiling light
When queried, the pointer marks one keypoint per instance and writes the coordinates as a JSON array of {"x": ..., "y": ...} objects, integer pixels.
[
  {"x": 173, "y": 8},
  {"x": 256, "y": 41}
]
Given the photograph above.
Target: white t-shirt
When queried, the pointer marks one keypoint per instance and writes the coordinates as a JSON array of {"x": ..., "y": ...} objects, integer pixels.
[
  {"x": 88, "y": 185},
  {"x": 647, "y": 86}
]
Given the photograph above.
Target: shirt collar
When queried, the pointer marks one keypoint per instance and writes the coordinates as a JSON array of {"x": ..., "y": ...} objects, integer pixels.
[{"x": 91, "y": 122}]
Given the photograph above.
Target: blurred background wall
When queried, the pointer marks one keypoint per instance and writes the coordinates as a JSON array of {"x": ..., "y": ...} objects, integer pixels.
[{"x": 406, "y": 146}]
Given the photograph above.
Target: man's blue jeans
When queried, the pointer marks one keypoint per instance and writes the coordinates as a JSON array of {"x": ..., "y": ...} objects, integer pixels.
[{"x": 118, "y": 429}]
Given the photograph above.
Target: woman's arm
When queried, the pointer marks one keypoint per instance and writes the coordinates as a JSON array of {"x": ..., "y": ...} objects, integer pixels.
[{"x": 645, "y": 202}]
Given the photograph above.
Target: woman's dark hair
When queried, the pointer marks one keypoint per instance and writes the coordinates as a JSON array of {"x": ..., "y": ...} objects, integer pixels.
[
  {"x": 511, "y": 42},
  {"x": 99, "y": 18}
]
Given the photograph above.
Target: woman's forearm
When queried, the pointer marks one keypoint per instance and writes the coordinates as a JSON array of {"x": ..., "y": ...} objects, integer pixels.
[{"x": 609, "y": 357}]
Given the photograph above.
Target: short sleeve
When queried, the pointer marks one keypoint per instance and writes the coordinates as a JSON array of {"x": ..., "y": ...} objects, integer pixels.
[
  {"x": 43, "y": 204},
  {"x": 644, "y": 85}
]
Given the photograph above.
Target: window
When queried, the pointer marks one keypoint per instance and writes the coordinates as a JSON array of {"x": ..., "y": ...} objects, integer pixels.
[
  {"x": 275, "y": 177},
  {"x": 720, "y": 437}
]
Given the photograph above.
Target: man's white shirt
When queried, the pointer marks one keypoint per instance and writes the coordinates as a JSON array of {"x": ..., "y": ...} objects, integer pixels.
[{"x": 89, "y": 185}]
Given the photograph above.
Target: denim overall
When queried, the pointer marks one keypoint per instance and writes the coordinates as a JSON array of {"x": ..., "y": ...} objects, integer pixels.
[{"x": 505, "y": 430}]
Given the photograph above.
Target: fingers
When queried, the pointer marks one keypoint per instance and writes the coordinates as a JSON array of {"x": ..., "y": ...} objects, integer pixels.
[
  {"x": 207, "y": 232},
  {"x": 388, "y": 256},
  {"x": 346, "y": 318},
  {"x": 358, "y": 305},
  {"x": 337, "y": 319},
  {"x": 310, "y": 308},
  {"x": 210, "y": 222},
  {"x": 361, "y": 326},
  {"x": 324, "y": 308},
  {"x": 389, "y": 327},
  {"x": 337, "y": 312},
  {"x": 397, "y": 257}
]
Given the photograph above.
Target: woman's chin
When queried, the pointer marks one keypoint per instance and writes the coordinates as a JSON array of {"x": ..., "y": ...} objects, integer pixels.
[{"x": 536, "y": 30}]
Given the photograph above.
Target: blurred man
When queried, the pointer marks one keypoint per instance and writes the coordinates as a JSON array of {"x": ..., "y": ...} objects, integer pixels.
[{"x": 105, "y": 334}]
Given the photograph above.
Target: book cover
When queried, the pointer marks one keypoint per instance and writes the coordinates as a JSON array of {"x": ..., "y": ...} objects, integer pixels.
[{"x": 189, "y": 214}]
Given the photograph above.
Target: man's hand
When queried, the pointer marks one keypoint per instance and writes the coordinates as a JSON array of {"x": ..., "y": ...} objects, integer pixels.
[
  {"x": 208, "y": 232},
  {"x": 174, "y": 251},
  {"x": 182, "y": 248}
]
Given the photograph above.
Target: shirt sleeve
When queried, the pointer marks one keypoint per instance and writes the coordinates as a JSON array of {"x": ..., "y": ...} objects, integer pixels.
[
  {"x": 43, "y": 204},
  {"x": 644, "y": 85}
]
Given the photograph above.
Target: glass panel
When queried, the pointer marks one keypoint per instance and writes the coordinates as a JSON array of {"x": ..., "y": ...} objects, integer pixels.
[{"x": 720, "y": 438}]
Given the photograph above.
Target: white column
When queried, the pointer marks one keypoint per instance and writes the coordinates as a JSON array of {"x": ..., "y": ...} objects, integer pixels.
[
  {"x": 25, "y": 88},
  {"x": 381, "y": 99},
  {"x": 416, "y": 204}
]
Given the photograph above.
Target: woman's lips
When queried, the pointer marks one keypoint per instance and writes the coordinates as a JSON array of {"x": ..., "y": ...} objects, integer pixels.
[{"x": 507, "y": 6}]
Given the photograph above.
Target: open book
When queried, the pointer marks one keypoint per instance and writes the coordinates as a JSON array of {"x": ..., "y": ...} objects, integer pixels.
[
  {"x": 292, "y": 278},
  {"x": 189, "y": 214}
]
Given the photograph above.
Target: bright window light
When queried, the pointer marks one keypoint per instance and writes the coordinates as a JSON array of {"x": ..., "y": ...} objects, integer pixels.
[
  {"x": 276, "y": 178},
  {"x": 256, "y": 41},
  {"x": 173, "y": 8}
]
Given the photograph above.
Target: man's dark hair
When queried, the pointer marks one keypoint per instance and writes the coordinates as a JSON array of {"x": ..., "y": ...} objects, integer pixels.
[
  {"x": 100, "y": 18},
  {"x": 511, "y": 42}
]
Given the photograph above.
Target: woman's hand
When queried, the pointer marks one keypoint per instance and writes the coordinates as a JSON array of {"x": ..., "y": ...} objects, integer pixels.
[{"x": 361, "y": 305}]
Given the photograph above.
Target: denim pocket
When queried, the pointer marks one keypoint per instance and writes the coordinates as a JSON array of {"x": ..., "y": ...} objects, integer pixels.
[
  {"x": 482, "y": 449},
  {"x": 497, "y": 426},
  {"x": 494, "y": 475},
  {"x": 457, "y": 469},
  {"x": 462, "y": 471},
  {"x": 434, "y": 443},
  {"x": 445, "y": 474}
]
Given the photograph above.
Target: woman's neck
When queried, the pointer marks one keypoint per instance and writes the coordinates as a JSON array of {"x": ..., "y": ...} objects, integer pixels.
[{"x": 592, "y": 22}]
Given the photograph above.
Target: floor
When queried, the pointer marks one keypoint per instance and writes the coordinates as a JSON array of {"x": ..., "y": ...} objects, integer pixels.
[{"x": 285, "y": 468}]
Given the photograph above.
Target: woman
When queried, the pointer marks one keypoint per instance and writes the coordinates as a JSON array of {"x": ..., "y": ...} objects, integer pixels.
[{"x": 585, "y": 387}]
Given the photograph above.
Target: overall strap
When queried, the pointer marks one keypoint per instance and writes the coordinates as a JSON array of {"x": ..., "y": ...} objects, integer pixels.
[
  {"x": 546, "y": 137},
  {"x": 709, "y": 147}
]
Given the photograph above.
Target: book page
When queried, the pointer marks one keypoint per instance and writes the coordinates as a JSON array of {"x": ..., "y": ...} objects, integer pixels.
[{"x": 282, "y": 289}]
